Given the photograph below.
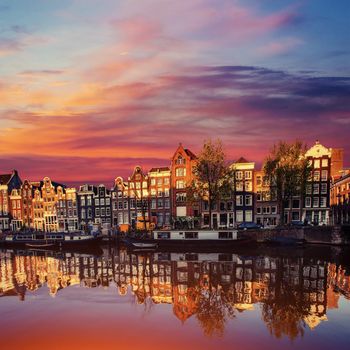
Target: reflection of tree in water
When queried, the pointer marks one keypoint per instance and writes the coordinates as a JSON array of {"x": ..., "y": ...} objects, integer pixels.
[
  {"x": 284, "y": 313},
  {"x": 215, "y": 308}
]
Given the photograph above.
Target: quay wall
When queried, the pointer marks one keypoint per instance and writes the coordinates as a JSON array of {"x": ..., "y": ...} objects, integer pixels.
[{"x": 335, "y": 235}]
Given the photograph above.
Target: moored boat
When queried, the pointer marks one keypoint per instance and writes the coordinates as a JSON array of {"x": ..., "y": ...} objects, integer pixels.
[
  {"x": 48, "y": 239},
  {"x": 140, "y": 243},
  {"x": 191, "y": 239}
]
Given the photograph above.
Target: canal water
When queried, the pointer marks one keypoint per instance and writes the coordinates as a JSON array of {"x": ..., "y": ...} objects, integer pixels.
[{"x": 263, "y": 298}]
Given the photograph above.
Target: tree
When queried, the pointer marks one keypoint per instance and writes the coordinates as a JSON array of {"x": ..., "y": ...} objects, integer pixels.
[
  {"x": 212, "y": 175},
  {"x": 287, "y": 170}
]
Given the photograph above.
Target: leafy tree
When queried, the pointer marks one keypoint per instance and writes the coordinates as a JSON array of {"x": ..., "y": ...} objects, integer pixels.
[
  {"x": 287, "y": 171},
  {"x": 212, "y": 175}
]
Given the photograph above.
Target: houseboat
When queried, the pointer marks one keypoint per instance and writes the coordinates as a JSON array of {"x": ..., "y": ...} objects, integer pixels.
[
  {"x": 191, "y": 239},
  {"x": 48, "y": 239}
]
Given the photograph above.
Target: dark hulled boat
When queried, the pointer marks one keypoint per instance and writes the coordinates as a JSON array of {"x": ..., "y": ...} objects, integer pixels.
[{"x": 48, "y": 240}]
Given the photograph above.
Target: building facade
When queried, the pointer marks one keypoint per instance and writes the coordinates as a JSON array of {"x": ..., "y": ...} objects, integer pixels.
[
  {"x": 243, "y": 190},
  {"x": 266, "y": 206},
  {"x": 67, "y": 209},
  {"x": 86, "y": 206},
  {"x": 160, "y": 194},
  {"x": 326, "y": 163},
  {"x": 8, "y": 182},
  {"x": 340, "y": 200},
  {"x": 182, "y": 174},
  {"x": 103, "y": 205}
]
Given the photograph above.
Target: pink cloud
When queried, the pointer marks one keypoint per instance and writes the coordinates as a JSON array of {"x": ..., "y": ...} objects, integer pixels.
[{"x": 279, "y": 47}]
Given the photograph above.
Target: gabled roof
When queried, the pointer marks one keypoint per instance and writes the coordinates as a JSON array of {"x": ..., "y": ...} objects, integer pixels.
[
  {"x": 190, "y": 154},
  {"x": 242, "y": 160},
  {"x": 186, "y": 150}
]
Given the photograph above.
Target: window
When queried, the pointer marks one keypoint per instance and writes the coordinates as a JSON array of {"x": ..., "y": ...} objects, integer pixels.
[
  {"x": 180, "y": 197},
  {"x": 167, "y": 203},
  {"x": 239, "y": 186},
  {"x": 249, "y": 200},
  {"x": 316, "y": 175},
  {"x": 132, "y": 204},
  {"x": 248, "y": 216},
  {"x": 323, "y": 188},
  {"x": 180, "y": 160},
  {"x": 229, "y": 206},
  {"x": 180, "y": 172},
  {"x": 225, "y": 235},
  {"x": 89, "y": 213},
  {"x": 83, "y": 213},
  {"x": 180, "y": 184},
  {"x": 258, "y": 180},
  {"x": 323, "y": 203},
  {"x": 82, "y": 201},
  {"x": 166, "y": 192},
  {"x": 324, "y": 176},
  {"x": 153, "y": 182},
  {"x": 316, "y": 202},
  {"x": 120, "y": 205},
  {"x": 163, "y": 235},
  {"x": 108, "y": 201},
  {"x": 239, "y": 200},
  {"x": 324, "y": 163},
  {"x": 153, "y": 192},
  {"x": 258, "y": 196},
  {"x": 308, "y": 202},
  {"x": 191, "y": 235},
  {"x": 97, "y": 212},
  {"x": 153, "y": 204},
  {"x": 239, "y": 215},
  {"x": 102, "y": 201},
  {"x": 222, "y": 206},
  {"x": 248, "y": 186},
  {"x": 308, "y": 189},
  {"x": 316, "y": 189},
  {"x": 166, "y": 181},
  {"x": 160, "y": 203},
  {"x": 295, "y": 203},
  {"x": 247, "y": 174},
  {"x": 273, "y": 210},
  {"x": 97, "y": 202},
  {"x": 258, "y": 210},
  {"x": 108, "y": 212},
  {"x": 316, "y": 163},
  {"x": 239, "y": 175}
]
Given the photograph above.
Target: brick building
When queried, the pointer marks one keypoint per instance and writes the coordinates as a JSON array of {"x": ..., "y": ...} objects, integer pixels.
[
  {"x": 266, "y": 206},
  {"x": 340, "y": 199},
  {"x": 182, "y": 174}
]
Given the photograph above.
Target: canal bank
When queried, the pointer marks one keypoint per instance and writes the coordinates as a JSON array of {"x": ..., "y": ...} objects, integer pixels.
[{"x": 334, "y": 235}]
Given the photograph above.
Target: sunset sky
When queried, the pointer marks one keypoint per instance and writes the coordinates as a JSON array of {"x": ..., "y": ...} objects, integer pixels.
[{"x": 91, "y": 88}]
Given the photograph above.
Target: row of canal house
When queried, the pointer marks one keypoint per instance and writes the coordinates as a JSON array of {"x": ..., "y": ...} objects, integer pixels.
[
  {"x": 159, "y": 196},
  {"x": 150, "y": 196}
]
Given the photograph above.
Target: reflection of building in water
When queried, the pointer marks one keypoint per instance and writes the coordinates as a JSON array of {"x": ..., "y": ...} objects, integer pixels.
[{"x": 303, "y": 287}]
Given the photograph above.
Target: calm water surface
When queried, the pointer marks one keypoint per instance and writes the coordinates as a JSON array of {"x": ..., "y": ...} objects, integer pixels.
[{"x": 288, "y": 298}]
